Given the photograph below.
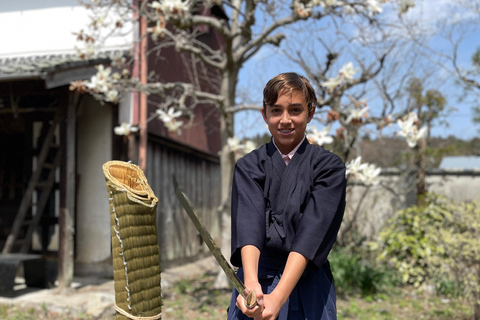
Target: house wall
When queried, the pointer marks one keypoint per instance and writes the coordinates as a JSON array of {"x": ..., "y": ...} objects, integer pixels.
[
  {"x": 49, "y": 26},
  {"x": 373, "y": 207},
  {"x": 202, "y": 131},
  {"x": 94, "y": 148}
]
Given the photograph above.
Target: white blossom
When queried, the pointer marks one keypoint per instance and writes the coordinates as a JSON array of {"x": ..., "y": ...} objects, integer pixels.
[
  {"x": 331, "y": 3},
  {"x": 90, "y": 50},
  {"x": 112, "y": 95},
  {"x": 366, "y": 173},
  {"x": 406, "y": 126},
  {"x": 100, "y": 82},
  {"x": 415, "y": 135},
  {"x": 124, "y": 129},
  {"x": 99, "y": 21},
  {"x": 171, "y": 7},
  {"x": 355, "y": 114},
  {"x": 169, "y": 119},
  {"x": 388, "y": 120},
  {"x": 410, "y": 131},
  {"x": 249, "y": 146},
  {"x": 300, "y": 9},
  {"x": 374, "y": 7},
  {"x": 355, "y": 167},
  {"x": 370, "y": 175},
  {"x": 320, "y": 137},
  {"x": 157, "y": 31},
  {"x": 118, "y": 60},
  {"x": 348, "y": 10},
  {"x": 406, "y": 5},
  {"x": 413, "y": 116},
  {"x": 174, "y": 126},
  {"x": 327, "y": 3},
  {"x": 169, "y": 115},
  {"x": 348, "y": 71},
  {"x": 332, "y": 83},
  {"x": 234, "y": 144},
  {"x": 86, "y": 53}
]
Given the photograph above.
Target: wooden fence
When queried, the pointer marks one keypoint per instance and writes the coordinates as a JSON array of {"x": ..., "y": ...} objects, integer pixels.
[{"x": 198, "y": 174}]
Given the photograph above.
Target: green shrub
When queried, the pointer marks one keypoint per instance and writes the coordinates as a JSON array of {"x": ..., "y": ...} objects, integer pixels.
[
  {"x": 411, "y": 238},
  {"x": 448, "y": 287},
  {"x": 439, "y": 242},
  {"x": 353, "y": 273}
]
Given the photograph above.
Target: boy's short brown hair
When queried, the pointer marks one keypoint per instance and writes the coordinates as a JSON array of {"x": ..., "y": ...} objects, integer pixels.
[{"x": 288, "y": 82}]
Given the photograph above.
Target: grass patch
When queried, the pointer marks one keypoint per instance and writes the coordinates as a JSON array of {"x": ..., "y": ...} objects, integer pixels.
[
  {"x": 196, "y": 300},
  {"x": 405, "y": 305}
]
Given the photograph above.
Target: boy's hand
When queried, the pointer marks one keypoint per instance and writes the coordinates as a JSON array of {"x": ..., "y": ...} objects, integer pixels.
[
  {"x": 255, "y": 311},
  {"x": 271, "y": 308}
]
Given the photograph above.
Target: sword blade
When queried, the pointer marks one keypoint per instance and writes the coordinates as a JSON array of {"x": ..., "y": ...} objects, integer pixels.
[{"x": 248, "y": 295}]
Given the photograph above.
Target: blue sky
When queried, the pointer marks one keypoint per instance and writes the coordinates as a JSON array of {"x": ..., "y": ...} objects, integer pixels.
[{"x": 269, "y": 63}]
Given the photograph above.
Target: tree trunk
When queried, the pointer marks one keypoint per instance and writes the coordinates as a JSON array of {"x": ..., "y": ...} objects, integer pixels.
[
  {"x": 476, "y": 307},
  {"x": 421, "y": 173},
  {"x": 224, "y": 213},
  {"x": 227, "y": 163},
  {"x": 67, "y": 206},
  {"x": 476, "y": 300}
]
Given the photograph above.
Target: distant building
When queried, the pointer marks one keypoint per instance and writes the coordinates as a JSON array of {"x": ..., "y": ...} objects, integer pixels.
[
  {"x": 460, "y": 163},
  {"x": 37, "y": 62}
]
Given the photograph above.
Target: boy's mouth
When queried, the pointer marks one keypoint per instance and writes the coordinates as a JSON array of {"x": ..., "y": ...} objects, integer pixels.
[{"x": 285, "y": 131}]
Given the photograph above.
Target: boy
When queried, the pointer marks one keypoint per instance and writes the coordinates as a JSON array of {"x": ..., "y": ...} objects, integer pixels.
[{"x": 288, "y": 200}]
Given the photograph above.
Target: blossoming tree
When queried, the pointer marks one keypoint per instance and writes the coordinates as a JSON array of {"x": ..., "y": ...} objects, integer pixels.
[
  {"x": 457, "y": 38},
  {"x": 344, "y": 89},
  {"x": 251, "y": 25}
]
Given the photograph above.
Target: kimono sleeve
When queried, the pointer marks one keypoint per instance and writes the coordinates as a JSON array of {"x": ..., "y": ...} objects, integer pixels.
[
  {"x": 323, "y": 214},
  {"x": 248, "y": 208}
]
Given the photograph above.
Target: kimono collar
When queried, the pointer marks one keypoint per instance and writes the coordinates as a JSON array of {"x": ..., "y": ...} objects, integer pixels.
[{"x": 291, "y": 153}]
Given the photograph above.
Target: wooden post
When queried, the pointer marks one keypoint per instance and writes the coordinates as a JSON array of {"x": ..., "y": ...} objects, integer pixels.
[
  {"x": 67, "y": 203},
  {"x": 142, "y": 151}
]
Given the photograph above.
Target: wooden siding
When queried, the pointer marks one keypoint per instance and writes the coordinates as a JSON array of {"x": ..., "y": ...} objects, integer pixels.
[
  {"x": 198, "y": 175},
  {"x": 203, "y": 130}
]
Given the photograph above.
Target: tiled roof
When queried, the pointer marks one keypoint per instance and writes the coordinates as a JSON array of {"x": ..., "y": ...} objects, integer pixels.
[{"x": 11, "y": 68}]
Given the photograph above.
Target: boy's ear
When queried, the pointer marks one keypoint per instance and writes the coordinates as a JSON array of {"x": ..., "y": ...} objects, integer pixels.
[
  {"x": 311, "y": 113},
  {"x": 264, "y": 114}
]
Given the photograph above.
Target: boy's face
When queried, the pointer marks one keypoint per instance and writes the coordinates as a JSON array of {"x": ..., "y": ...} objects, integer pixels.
[{"x": 287, "y": 120}]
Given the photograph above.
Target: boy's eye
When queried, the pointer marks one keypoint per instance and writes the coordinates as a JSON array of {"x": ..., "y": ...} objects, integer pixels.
[
  {"x": 296, "y": 110},
  {"x": 274, "y": 110}
]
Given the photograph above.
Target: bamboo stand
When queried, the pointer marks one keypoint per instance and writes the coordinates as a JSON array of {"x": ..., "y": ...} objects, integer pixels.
[{"x": 135, "y": 251}]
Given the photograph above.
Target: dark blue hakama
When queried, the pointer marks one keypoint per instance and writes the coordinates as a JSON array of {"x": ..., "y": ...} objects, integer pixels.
[{"x": 313, "y": 298}]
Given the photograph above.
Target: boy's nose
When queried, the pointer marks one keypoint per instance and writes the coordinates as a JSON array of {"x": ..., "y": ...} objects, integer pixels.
[{"x": 285, "y": 119}]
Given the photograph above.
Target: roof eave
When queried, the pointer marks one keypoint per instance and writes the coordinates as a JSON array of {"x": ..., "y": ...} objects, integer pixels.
[{"x": 20, "y": 76}]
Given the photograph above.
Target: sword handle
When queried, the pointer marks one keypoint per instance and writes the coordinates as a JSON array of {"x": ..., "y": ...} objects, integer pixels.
[{"x": 251, "y": 299}]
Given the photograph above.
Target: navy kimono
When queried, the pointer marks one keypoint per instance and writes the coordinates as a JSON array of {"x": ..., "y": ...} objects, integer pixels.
[{"x": 279, "y": 209}]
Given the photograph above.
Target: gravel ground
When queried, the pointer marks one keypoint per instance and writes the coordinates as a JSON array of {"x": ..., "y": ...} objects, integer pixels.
[{"x": 89, "y": 298}]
